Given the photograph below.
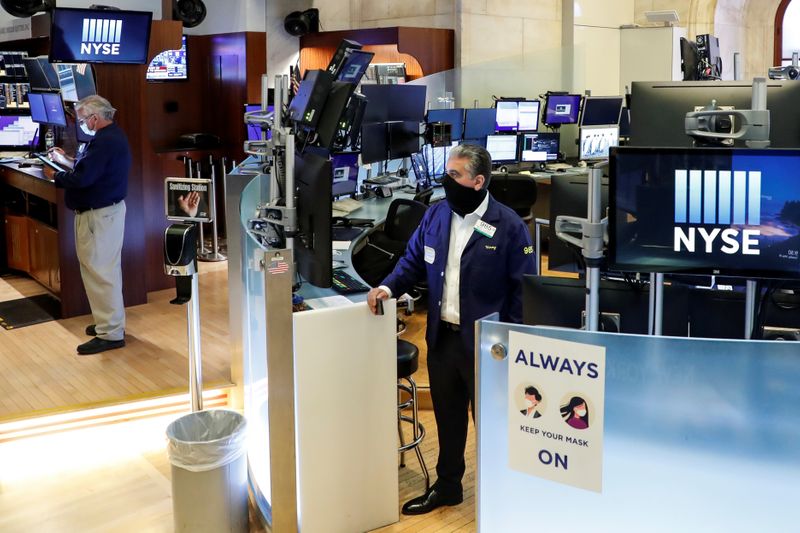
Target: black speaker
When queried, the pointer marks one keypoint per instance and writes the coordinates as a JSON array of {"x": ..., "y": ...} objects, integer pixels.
[
  {"x": 26, "y": 8},
  {"x": 190, "y": 12},
  {"x": 299, "y": 23}
]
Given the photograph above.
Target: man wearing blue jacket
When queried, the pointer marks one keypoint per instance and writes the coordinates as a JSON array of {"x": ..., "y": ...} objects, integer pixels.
[
  {"x": 95, "y": 188},
  {"x": 473, "y": 252}
]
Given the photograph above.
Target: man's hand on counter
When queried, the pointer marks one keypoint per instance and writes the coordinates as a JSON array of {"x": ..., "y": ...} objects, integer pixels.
[
  {"x": 375, "y": 300},
  {"x": 49, "y": 172}
]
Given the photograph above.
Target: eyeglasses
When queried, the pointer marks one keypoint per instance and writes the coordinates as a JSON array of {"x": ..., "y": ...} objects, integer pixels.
[{"x": 85, "y": 120}]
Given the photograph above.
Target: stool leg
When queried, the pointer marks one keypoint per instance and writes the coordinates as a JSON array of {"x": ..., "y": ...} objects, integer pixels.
[
  {"x": 400, "y": 427},
  {"x": 416, "y": 433}
]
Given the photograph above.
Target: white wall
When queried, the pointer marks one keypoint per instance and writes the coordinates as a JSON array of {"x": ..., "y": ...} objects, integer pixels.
[
  {"x": 596, "y": 44},
  {"x": 230, "y": 16},
  {"x": 283, "y": 49}
]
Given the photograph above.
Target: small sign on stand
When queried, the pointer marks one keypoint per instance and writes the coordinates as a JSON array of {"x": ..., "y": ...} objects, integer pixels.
[{"x": 189, "y": 199}]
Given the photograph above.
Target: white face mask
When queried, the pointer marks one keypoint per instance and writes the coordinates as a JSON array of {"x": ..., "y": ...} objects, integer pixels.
[
  {"x": 86, "y": 129},
  {"x": 529, "y": 403},
  {"x": 580, "y": 412}
]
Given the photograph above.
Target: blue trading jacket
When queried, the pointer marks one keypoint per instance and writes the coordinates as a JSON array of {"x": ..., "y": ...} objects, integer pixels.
[{"x": 491, "y": 268}]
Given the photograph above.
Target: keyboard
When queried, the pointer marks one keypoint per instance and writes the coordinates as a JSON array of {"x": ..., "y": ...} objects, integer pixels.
[
  {"x": 382, "y": 180},
  {"x": 346, "y": 205},
  {"x": 556, "y": 166},
  {"x": 344, "y": 283}
]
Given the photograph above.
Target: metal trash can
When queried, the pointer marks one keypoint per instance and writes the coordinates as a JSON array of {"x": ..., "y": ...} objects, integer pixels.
[{"x": 209, "y": 472}]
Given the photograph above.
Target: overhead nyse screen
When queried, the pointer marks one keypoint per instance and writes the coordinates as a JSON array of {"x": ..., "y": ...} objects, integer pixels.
[
  {"x": 705, "y": 210},
  {"x": 99, "y": 36}
]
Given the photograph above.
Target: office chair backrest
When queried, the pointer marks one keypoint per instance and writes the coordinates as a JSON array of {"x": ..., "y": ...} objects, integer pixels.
[
  {"x": 517, "y": 191},
  {"x": 403, "y": 218}
]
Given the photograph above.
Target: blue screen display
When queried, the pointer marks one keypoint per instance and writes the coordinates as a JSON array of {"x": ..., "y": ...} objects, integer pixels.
[
  {"x": 705, "y": 210},
  {"x": 54, "y": 107},
  {"x": 38, "y": 112},
  {"x": 92, "y": 36},
  {"x": 562, "y": 108}
]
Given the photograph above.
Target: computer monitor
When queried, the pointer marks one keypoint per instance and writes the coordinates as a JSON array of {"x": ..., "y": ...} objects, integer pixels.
[
  {"x": 169, "y": 65},
  {"x": 54, "y": 108},
  {"x": 502, "y": 148},
  {"x": 716, "y": 314},
  {"x": 17, "y": 131},
  {"x": 454, "y": 117},
  {"x": 517, "y": 115},
  {"x": 313, "y": 245},
  {"x": 355, "y": 65},
  {"x": 38, "y": 111},
  {"x": 76, "y": 81},
  {"x": 569, "y": 196},
  {"x": 690, "y": 60},
  {"x": 625, "y": 123},
  {"x": 374, "y": 142},
  {"x": 561, "y": 302},
  {"x": 596, "y": 140},
  {"x": 601, "y": 110},
  {"x": 403, "y": 138},
  {"x": 478, "y": 123},
  {"x": 394, "y": 102},
  {"x": 659, "y": 109},
  {"x": 561, "y": 109},
  {"x": 99, "y": 36},
  {"x": 345, "y": 174},
  {"x": 41, "y": 74},
  {"x": 711, "y": 211},
  {"x": 539, "y": 147}
]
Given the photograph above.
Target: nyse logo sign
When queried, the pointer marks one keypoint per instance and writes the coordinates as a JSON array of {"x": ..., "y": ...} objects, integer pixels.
[
  {"x": 713, "y": 197},
  {"x": 101, "y": 37}
]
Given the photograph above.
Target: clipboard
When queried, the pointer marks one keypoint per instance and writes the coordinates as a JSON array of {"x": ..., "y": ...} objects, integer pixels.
[{"x": 52, "y": 164}]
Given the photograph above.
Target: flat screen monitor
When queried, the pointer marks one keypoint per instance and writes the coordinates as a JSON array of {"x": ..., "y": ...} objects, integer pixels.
[
  {"x": 539, "y": 147},
  {"x": 555, "y": 301},
  {"x": 522, "y": 115},
  {"x": 345, "y": 173},
  {"x": 454, "y": 117},
  {"x": 394, "y": 102},
  {"x": 38, "y": 111},
  {"x": 478, "y": 123},
  {"x": 17, "y": 131},
  {"x": 354, "y": 67},
  {"x": 601, "y": 110},
  {"x": 374, "y": 142},
  {"x": 41, "y": 74},
  {"x": 596, "y": 141},
  {"x": 403, "y": 138},
  {"x": 313, "y": 247},
  {"x": 75, "y": 80},
  {"x": 569, "y": 196},
  {"x": 562, "y": 109},
  {"x": 712, "y": 211},
  {"x": 169, "y": 65},
  {"x": 54, "y": 108},
  {"x": 625, "y": 123},
  {"x": 253, "y": 130},
  {"x": 502, "y": 148},
  {"x": 658, "y": 109},
  {"x": 99, "y": 36},
  {"x": 707, "y": 307}
]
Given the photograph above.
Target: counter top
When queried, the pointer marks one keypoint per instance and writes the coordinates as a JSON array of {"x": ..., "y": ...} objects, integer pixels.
[{"x": 29, "y": 179}]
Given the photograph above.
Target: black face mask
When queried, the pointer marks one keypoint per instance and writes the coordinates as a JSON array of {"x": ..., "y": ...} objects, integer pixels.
[{"x": 462, "y": 200}]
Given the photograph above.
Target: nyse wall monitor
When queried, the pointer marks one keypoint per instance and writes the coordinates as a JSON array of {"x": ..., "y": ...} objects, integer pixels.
[
  {"x": 705, "y": 211},
  {"x": 99, "y": 36}
]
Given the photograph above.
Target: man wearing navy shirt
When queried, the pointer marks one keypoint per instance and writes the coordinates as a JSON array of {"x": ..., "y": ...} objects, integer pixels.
[
  {"x": 95, "y": 189},
  {"x": 473, "y": 252}
]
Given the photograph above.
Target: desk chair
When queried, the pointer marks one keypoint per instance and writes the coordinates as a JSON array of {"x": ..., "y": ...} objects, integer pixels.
[
  {"x": 385, "y": 247},
  {"x": 424, "y": 196},
  {"x": 516, "y": 191},
  {"x": 407, "y": 364}
]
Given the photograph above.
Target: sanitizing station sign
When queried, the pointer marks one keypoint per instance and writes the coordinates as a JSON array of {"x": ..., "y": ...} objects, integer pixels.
[{"x": 556, "y": 402}]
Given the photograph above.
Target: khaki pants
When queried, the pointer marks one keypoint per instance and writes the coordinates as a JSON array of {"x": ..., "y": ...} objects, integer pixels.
[{"x": 98, "y": 242}]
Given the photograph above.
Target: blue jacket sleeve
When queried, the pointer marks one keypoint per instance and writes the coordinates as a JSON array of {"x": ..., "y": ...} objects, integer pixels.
[
  {"x": 410, "y": 269},
  {"x": 521, "y": 260},
  {"x": 87, "y": 170}
]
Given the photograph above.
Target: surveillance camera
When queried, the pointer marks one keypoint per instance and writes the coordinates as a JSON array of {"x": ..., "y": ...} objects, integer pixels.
[{"x": 788, "y": 72}]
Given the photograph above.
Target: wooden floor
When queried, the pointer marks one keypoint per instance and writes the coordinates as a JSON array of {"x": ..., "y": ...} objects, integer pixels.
[
  {"x": 117, "y": 479},
  {"x": 41, "y": 373}
]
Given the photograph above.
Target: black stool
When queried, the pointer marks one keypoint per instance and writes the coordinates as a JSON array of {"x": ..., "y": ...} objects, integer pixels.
[{"x": 407, "y": 364}]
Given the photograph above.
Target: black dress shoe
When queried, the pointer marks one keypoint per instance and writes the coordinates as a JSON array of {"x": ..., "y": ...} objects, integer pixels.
[
  {"x": 98, "y": 345},
  {"x": 429, "y": 501},
  {"x": 91, "y": 330}
]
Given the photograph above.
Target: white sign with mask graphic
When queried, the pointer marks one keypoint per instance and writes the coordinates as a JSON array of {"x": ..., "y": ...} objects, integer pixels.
[{"x": 556, "y": 403}]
